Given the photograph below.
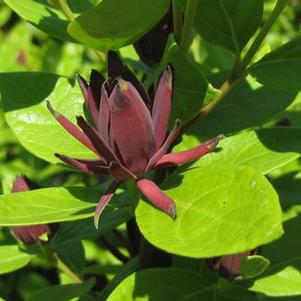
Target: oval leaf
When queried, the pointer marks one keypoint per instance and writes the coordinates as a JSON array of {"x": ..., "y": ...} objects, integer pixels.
[
  {"x": 220, "y": 210},
  {"x": 50, "y": 205},
  {"x": 253, "y": 266},
  {"x": 228, "y": 23},
  {"x": 281, "y": 67},
  {"x": 116, "y": 23},
  {"x": 27, "y": 114}
]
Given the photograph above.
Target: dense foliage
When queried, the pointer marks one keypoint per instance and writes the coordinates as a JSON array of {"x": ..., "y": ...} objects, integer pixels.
[{"x": 176, "y": 124}]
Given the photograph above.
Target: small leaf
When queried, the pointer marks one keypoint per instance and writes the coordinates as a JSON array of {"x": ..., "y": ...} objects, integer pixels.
[
  {"x": 11, "y": 259},
  {"x": 62, "y": 292},
  {"x": 221, "y": 209},
  {"x": 43, "y": 16},
  {"x": 283, "y": 277},
  {"x": 116, "y": 23},
  {"x": 228, "y": 23},
  {"x": 280, "y": 68},
  {"x": 253, "y": 266}
]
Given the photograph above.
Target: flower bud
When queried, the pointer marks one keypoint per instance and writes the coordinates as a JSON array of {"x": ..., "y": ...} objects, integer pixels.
[{"x": 33, "y": 233}]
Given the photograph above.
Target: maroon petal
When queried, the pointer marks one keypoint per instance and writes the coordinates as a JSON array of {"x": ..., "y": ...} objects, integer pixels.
[
  {"x": 162, "y": 105},
  {"x": 103, "y": 202},
  {"x": 102, "y": 148},
  {"x": 83, "y": 85},
  {"x": 31, "y": 234},
  {"x": 117, "y": 69},
  {"x": 166, "y": 145},
  {"x": 131, "y": 127},
  {"x": 104, "y": 115},
  {"x": 121, "y": 173},
  {"x": 96, "y": 81},
  {"x": 189, "y": 155},
  {"x": 71, "y": 128},
  {"x": 89, "y": 167},
  {"x": 157, "y": 197},
  {"x": 22, "y": 183}
]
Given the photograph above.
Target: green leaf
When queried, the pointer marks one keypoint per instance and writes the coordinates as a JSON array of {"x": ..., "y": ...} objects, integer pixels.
[
  {"x": 32, "y": 123},
  {"x": 190, "y": 85},
  {"x": 244, "y": 107},
  {"x": 281, "y": 67},
  {"x": 116, "y": 23},
  {"x": 229, "y": 23},
  {"x": 283, "y": 277},
  {"x": 62, "y": 292},
  {"x": 11, "y": 259},
  {"x": 163, "y": 284},
  {"x": 221, "y": 209},
  {"x": 252, "y": 266},
  {"x": 43, "y": 16},
  {"x": 264, "y": 150},
  {"x": 50, "y": 205}
]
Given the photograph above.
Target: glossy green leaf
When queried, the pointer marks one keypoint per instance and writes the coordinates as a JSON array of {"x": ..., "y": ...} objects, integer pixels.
[
  {"x": 116, "y": 23},
  {"x": 50, "y": 205},
  {"x": 62, "y": 292},
  {"x": 43, "y": 16},
  {"x": 264, "y": 150},
  {"x": 281, "y": 67},
  {"x": 242, "y": 108},
  {"x": 11, "y": 259},
  {"x": 283, "y": 277},
  {"x": 163, "y": 284},
  {"x": 228, "y": 23},
  {"x": 253, "y": 266},
  {"x": 32, "y": 123},
  {"x": 221, "y": 209},
  {"x": 190, "y": 85}
]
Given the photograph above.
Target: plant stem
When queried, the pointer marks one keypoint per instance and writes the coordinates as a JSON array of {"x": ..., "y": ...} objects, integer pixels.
[
  {"x": 190, "y": 11},
  {"x": 65, "y": 269},
  {"x": 177, "y": 21},
  {"x": 64, "y": 7},
  {"x": 240, "y": 67},
  {"x": 113, "y": 250}
]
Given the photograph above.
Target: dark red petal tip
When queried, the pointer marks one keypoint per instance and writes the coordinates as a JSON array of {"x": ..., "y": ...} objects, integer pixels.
[
  {"x": 157, "y": 197},
  {"x": 103, "y": 202}
]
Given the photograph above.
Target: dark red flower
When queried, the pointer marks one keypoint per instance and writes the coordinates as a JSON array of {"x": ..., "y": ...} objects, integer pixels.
[
  {"x": 229, "y": 266},
  {"x": 151, "y": 46},
  {"x": 129, "y": 132},
  {"x": 29, "y": 234}
]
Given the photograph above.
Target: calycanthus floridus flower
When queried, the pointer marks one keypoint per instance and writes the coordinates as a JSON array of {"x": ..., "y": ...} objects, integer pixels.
[{"x": 129, "y": 134}]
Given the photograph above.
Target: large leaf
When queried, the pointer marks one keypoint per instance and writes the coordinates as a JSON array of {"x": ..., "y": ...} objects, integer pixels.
[
  {"x": 220, "y": 210},
  {"x": 63, "y": 292},
  {"x": 50, "y": 205},
  {"x": 190, "y": 85},
  {"x": 26, "y": 113},
  {"x": 283, "y": 277},
  {"x": 228, "y": 23},
  {"x": 244, "y": 107},
  {"x": 116, "y": 23},
  {"x": 264, "y": 150},
  {"x": 11, "y": 259},
  {"x": 281, "y": 67},
  {"x": 161, "y": 285},
  {"x": 43, "y": 16}
]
